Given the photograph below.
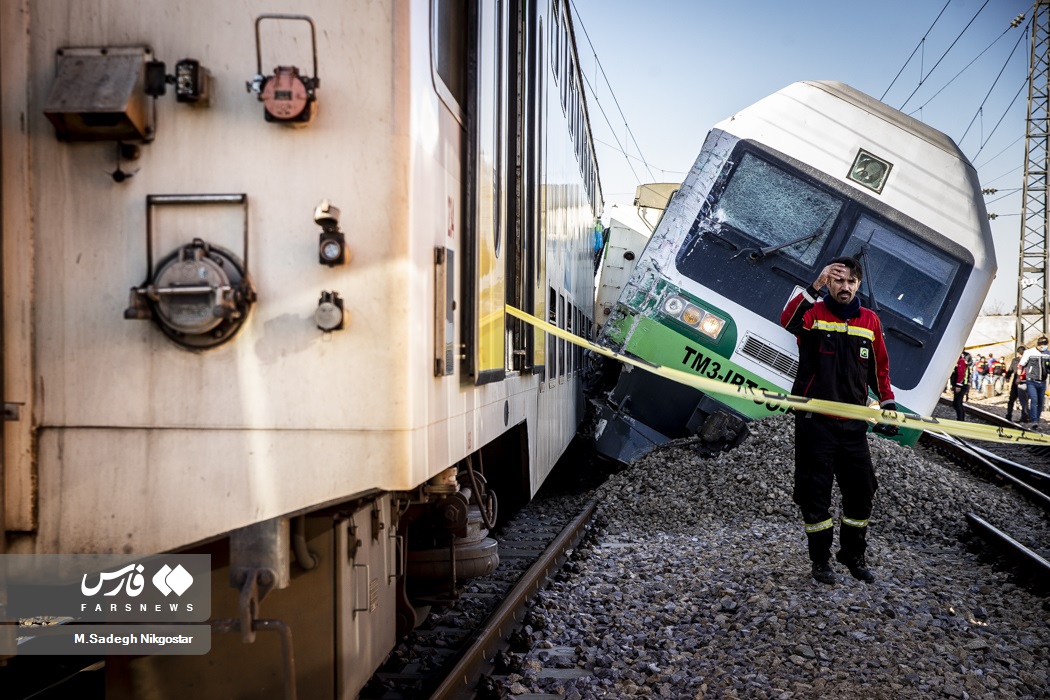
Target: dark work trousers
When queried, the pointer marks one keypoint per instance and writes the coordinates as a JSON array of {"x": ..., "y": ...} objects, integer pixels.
[
  {"x": 1021, "y": 397},
  {"x": 959, "y": 392},
  {"x": 829, "y": 450}
]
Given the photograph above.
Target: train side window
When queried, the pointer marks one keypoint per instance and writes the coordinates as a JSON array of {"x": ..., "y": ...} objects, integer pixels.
[
  {"x": 578, "y": 350},
  {"x": 773, "y": 207},
  {"x": 570, "y": 80},
  {"x": 552, "y": 340},
  {"x": 908, "y": 277},
  {"x": 569, "y": 325},
  {"x": 448, "y": 53},
  {"x": 565, "y": 72},
  {"x": 561, "y": 342},
  {"x": 555, "y": 43}
]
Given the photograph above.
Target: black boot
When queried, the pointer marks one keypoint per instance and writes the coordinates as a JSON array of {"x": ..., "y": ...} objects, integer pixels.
[
  {"x": 858, "y": 568},
  {"x": 823, "y": 572},
  {"x": 819, "y": 543},
  {"x": 853, "y": 540}
]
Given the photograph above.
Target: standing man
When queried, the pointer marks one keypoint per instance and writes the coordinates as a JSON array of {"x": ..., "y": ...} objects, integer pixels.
[
  {"x": 841, "y": 353},
  {"x": 1018, "y": 389},
  {"x": 980, "y": 370},
  {"x": 1036, "y": 363},
  {"x": 997, "y": 369},
  {"x": 961, "y": 384}
]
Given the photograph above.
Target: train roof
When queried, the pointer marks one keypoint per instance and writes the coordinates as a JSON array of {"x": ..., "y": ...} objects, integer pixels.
[
  {"x": 891, "y": 115},
  {"x": 828, "y": 125}
]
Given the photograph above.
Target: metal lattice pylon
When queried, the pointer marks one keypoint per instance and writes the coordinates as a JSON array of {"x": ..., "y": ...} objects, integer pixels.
[{"x": 1035, "y": 222}]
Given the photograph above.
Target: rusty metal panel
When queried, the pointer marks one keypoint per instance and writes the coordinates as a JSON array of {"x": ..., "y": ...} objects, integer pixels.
[{"x": 98, "y": 95}]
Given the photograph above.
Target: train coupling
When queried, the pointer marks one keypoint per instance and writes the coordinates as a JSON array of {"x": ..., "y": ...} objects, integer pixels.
[{"x": 719, "y": 427}]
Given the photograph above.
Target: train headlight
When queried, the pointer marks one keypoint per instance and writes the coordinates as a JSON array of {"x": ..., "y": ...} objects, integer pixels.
[
  {"x": 692, "y": 315},
  {"x": 673, "y": 306},
  {"x": 712, "y": 326}
]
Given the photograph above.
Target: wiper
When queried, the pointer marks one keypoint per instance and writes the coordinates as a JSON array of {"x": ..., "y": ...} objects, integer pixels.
[
  {"x": 719, "y": 236},
  {"x": 759, "y": 253},
  {"x": 872, "y": 304}
]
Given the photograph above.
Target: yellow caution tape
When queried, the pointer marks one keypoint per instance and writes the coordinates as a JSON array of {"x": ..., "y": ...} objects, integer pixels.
[
  {"x": 961, "y": 429},
  {"x": 988, "y": 345}
]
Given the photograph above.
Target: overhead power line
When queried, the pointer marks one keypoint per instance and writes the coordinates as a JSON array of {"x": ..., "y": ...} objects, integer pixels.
[
  {"x": 980, "y": 109},
  {"x": 1013, "y": 24},
  {"x": 922, "y": 78},
  {"x": 598, "y": 63},
  {"x": 917, "y": 47}
]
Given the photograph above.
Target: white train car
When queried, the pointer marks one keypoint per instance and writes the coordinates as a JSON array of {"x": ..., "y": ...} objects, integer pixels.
[
  {"x": 320, "y": 209},
  {"x": 814, "y": 171}
]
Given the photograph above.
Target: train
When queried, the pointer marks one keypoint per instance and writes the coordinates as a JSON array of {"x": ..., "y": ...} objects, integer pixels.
[
  {"x": 255, "y": 262},
  {"x": 814, "y": 171}
]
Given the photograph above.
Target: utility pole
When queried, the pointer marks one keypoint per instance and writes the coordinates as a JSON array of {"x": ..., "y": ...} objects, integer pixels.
[{"x": 1032, "y": 307}]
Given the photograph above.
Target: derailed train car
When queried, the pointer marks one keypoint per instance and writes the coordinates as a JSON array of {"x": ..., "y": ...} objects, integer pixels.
[
  {"x": 255, "y": 265},
  {"x": 814, "y": 171}
]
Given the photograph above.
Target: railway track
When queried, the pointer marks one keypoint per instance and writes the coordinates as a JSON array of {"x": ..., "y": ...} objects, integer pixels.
[
  {"x": 998, "y": 463},
  {"x": 462, "y": 651},
  {"x": 447, "y": 655}
]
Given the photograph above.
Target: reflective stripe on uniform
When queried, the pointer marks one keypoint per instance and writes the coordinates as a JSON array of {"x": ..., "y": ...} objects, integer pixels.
[
  {"x": 817, "y": 527},
  {"x": 844, "y": 328},
  {"x": 854, "y": 523}
]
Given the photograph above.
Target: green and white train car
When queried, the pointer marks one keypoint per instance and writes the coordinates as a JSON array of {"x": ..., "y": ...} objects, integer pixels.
[{"x": 814, "y": 171}]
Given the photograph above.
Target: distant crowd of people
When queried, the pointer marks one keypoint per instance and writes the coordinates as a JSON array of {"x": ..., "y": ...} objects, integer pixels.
[{"x": 1026, "y": 374}]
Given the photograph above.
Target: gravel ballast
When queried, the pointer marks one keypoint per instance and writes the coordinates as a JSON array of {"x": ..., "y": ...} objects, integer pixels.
[{"x": 696, "y": 584}]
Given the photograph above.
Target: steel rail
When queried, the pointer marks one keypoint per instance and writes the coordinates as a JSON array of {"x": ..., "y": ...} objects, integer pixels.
[
  {"x": 1037, "y": 565},
  {"x": 968, "y": 455},
  {"x": 491, "y": 638},
  {"x": 1033, "y": 477}
]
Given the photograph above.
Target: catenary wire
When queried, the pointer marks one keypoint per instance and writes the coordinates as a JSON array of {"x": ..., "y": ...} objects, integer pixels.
[
  {"x": 986, "y": 49},
  {"x": 943, "y": 55},
  {"x": 998, "y": 123},
  {"x": 601, "y": 68},
  {"x": 611, "y": 129},
  {"x": 989, "y": 93},
  {"x": 1007, "y": 148},
  {"x": 917, "y": 47},
  {"x": 617, "y": 147}
]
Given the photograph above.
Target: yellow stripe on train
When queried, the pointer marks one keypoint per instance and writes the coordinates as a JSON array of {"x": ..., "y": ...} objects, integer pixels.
[{"x": 800, "y": 403}]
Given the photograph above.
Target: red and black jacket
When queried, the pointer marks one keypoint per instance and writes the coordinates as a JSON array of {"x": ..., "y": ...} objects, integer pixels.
[{"x": 838, "y": 360}]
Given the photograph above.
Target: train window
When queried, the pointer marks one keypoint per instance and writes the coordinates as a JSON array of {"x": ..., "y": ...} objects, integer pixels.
[
  {"x": 449, "y": 51},
  {"x": 774, "y": 207},
  {"x": 555, "y": 43},
  {"x": 580, "y": 322},
  {"x": 908, "y": 276},
  {"x": 561, "y": 342},
  {"x": 552, "y": 340},
  {"x": 569, "y": 325}
]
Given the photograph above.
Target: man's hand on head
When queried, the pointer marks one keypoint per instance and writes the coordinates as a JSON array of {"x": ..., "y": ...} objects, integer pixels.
[{"x": 830, "y": 272}]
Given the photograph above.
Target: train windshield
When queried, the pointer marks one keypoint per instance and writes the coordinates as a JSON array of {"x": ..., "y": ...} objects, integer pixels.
[
  {"x": 774, "y": 207},
  {"x": 908, "y": 277}
]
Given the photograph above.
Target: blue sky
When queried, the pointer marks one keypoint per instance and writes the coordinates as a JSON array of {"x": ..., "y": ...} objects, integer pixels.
[{"x": 676, "y": 67}]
